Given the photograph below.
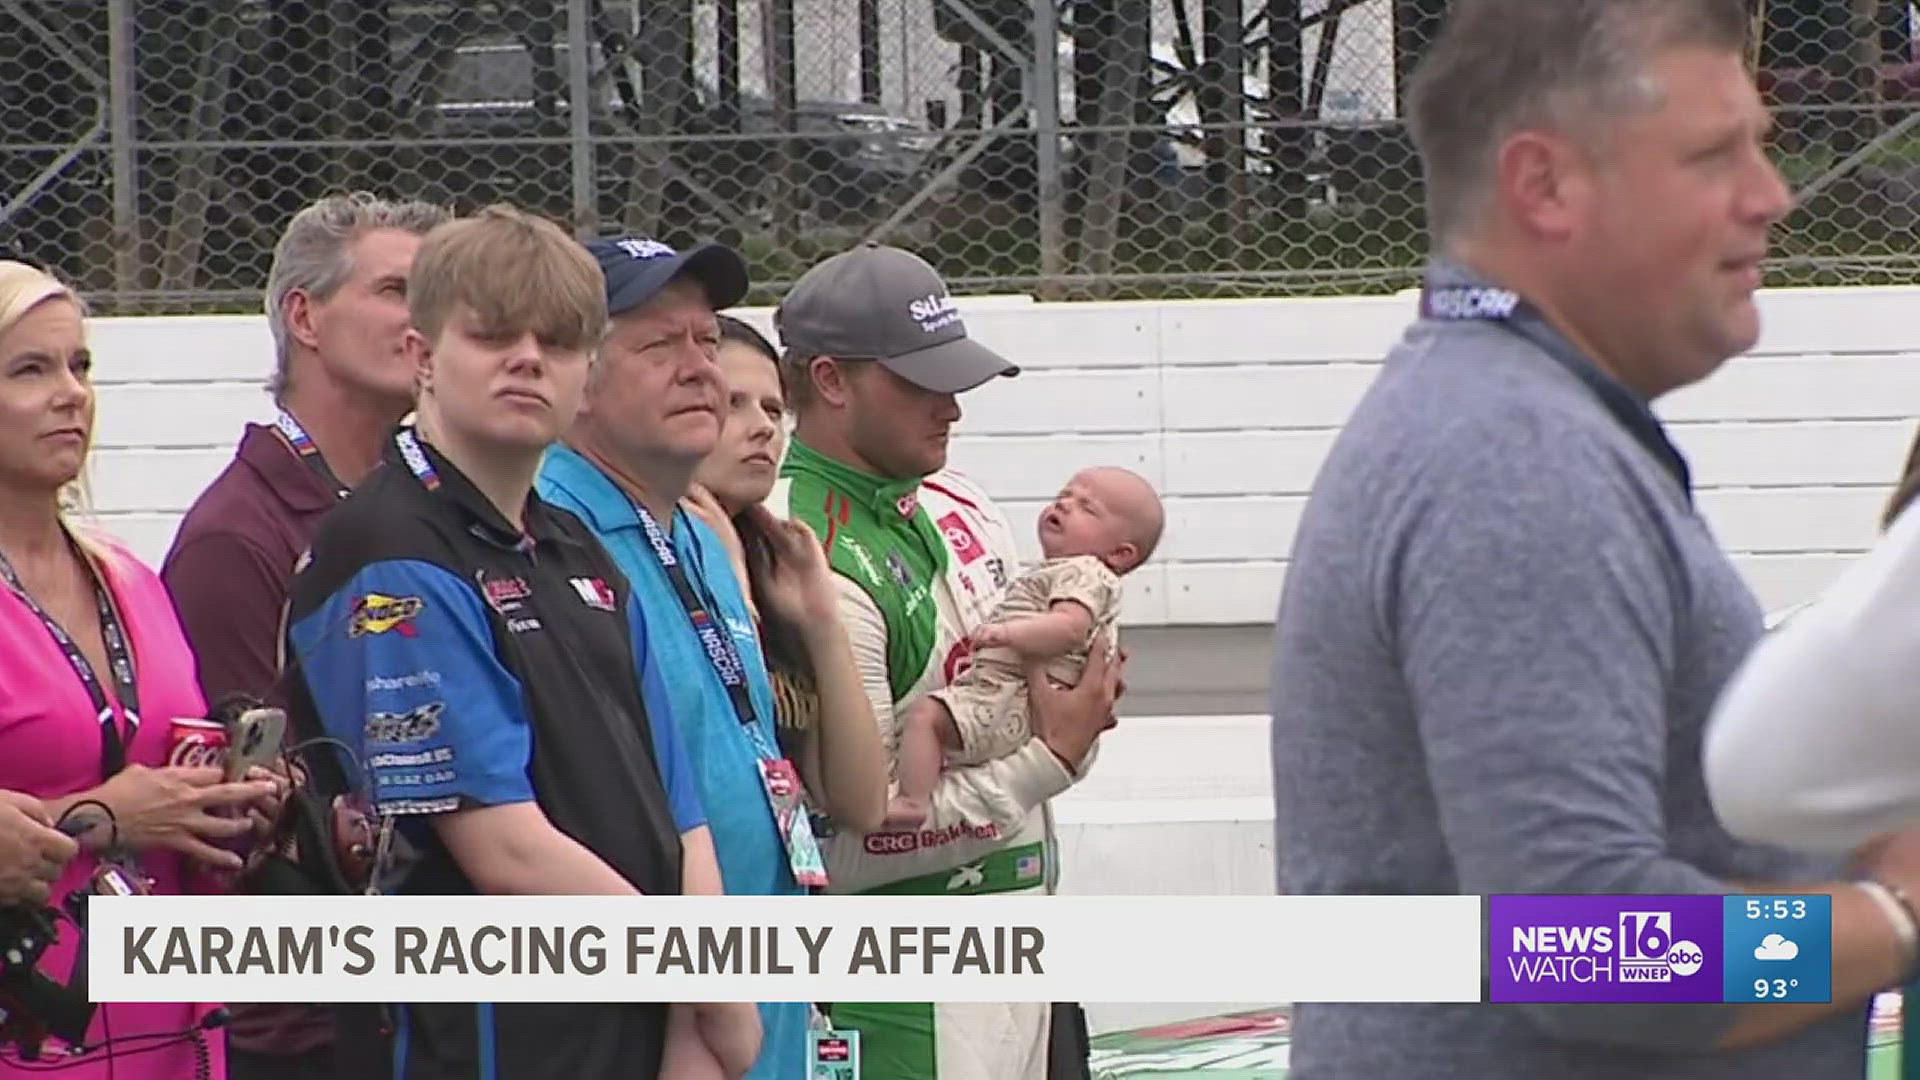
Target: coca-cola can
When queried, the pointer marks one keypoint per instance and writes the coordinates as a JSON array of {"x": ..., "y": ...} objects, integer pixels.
[{"x": 198, "y": 743}]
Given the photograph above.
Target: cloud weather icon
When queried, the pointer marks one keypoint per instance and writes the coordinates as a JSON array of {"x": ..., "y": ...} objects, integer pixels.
[{"x": 1775, "y": 947}]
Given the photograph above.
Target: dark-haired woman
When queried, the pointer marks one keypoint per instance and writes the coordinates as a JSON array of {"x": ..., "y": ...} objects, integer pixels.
[{"x": 825, "y": 722}]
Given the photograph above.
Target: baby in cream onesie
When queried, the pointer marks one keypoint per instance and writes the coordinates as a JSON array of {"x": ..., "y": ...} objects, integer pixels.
[{"x": 1102, "y": 525}]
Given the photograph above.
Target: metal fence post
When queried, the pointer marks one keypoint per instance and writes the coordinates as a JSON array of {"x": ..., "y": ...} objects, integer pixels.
[
  {"x": 787, "y": 175},
  {"x": 120, "y": 104},
  {"x": 586, "y": 215},
  {"x": 1045, "y": 96}
]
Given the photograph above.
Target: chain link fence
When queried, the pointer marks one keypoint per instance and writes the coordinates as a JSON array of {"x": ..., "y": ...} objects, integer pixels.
[{"x": 152, "y": 149}]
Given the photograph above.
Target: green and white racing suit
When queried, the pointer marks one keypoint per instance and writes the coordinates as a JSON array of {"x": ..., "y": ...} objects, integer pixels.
[{"x": 919, "y": 564}]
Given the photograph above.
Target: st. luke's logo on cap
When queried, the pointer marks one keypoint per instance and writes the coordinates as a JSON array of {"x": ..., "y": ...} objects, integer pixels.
[{"x": 934, "y": 312}]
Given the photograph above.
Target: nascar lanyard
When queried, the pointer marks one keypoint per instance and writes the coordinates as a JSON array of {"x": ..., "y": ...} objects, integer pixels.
[
  {"x": 1469, "y": 302},
  {"x": 714, "y": 638},
  {"x": 113, "y": 747},
  {"x": 416, "y": 460},
  {"x": 309, "y": 453}
]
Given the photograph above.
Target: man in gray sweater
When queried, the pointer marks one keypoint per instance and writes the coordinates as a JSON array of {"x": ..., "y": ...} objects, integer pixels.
[{"x": 1505, "y": 621}]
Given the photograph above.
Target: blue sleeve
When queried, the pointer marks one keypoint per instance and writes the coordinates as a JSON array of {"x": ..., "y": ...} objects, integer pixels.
[
  {"x": 400, "y": 665},
  {"x": 676, "y": 769}
]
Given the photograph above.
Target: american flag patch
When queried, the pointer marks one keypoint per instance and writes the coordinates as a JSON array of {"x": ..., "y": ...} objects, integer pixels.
[{"x": 1027, "y": 866}]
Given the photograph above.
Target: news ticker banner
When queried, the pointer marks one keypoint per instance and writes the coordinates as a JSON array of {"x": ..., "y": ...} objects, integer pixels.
[
  {"x": 1172, "y": 949},
  {"x": 746, "y": 948}
]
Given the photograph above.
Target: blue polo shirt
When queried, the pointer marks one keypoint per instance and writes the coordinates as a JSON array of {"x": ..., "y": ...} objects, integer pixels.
[{"x": 725, "y": 760}]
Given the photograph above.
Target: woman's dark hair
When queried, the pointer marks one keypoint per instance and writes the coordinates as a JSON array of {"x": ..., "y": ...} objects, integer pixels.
[
  {"x": 785, "y": 646},
  {"x": 736, "y": 330}
]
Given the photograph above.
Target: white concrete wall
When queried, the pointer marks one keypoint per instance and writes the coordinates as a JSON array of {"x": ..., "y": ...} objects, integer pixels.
[
  {"x": 1175, "y": 806},
  {"x": 1227, "y": 405}
]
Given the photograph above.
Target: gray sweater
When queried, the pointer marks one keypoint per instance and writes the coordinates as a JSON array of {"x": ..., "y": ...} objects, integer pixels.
[{"x": 1502, "y": 631}]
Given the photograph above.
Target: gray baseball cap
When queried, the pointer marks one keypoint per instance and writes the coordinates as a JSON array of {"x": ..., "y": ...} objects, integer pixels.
[{"x": 882, "y": 303}]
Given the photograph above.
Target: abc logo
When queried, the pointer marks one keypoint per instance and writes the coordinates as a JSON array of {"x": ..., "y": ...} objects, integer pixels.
[{"x": 1685, "y": 958}]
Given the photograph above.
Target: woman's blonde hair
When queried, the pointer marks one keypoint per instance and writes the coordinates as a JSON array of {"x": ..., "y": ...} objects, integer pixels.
[{"x": 24, "y": 287}]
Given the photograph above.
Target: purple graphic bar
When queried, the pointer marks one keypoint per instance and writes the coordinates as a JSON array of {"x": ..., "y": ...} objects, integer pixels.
[{"x": 1605, "y": 948}]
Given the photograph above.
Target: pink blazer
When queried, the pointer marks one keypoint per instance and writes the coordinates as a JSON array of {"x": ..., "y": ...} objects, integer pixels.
[{"x": 51, "y": 747}]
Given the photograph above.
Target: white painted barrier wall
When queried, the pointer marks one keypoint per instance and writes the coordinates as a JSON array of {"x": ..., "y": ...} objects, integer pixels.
[{"x": 1227, "y": 405}]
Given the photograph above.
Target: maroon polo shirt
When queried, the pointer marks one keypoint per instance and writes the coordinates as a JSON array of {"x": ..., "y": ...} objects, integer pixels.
[{"x": 227, "y": 573}]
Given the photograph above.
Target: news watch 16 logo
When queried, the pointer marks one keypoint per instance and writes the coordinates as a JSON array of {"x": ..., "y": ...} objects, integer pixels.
[
  {"x": 1604, "y": 948},
  {"x": 1648, "y": 951}
]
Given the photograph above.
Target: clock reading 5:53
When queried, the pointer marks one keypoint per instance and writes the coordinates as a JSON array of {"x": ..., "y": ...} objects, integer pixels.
[{"x": 1777, "y": 908}]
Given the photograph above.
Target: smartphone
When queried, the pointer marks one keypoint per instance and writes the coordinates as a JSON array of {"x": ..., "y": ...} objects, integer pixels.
[{"x": 253, "y": 740}]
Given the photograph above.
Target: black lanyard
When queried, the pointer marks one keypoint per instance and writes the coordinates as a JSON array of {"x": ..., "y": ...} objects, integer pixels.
[
  {"x": 716, "y": 639},
  {"x": 113, "y": 748},
  {"x": 303, "y": 446},
  {"x": 1465, "y": 301}
]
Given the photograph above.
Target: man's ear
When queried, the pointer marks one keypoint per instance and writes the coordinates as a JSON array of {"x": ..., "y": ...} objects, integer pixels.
[
  {"x": 1544, "y": 183},
  {"x": 419, "y": 353},
  {"x": 296, "y": 310},
  {"x": 831, "y": 381}
]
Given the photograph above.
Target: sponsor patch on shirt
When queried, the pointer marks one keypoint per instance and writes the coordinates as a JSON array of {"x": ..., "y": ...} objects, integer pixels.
[
  {"x": 960, "y": 537},
  {"x": 377, "y": 613},
  {"x": 904, "y": 843},
  {"x": 414, "y": 725},
  {"x": 594, "y": 593},
  {"x": 504, "y": 594}
]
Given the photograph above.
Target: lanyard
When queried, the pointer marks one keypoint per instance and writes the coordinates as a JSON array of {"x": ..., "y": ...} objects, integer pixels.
[
  {"x": 1474, "y": 302},
  {"x": 714, "y": 638},
  {"x": 113, "y": 748},
  {"x": 416, "y": 460},
  {"x": 303, "y": 446}
]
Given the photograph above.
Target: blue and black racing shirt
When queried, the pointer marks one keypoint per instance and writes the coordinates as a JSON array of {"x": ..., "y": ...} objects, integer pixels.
[{"x": 469, "y": 664}]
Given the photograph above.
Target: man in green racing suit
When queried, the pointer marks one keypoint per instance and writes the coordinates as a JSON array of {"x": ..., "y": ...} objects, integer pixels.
[{"x": 875, "y": 354}]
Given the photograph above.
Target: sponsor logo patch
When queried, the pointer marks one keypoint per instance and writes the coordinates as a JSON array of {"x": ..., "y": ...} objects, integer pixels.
[
  {"x": 414, "y": 725},
  {"x": 377, "y": 613},
  {"x": 594, "y": 593},
  {"x": 437, "y": 756},
  {"x": 411, "y": 681},
  {"x": 504, "y": 595},
  {"x": 960, "y": 537},
  {"x": 903, "y": 843},
  {"x": 420, "y": 806}
]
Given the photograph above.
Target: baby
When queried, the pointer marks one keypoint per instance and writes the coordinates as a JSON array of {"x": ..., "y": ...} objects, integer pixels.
[{"x": 1103, "y": 525}]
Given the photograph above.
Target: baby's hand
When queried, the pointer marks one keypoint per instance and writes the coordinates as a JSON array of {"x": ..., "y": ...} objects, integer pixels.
[{"x": 989, "y": 636}]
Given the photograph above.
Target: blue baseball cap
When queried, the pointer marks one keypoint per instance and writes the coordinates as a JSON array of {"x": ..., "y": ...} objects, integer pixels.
[{"x": 636, "y": 269}]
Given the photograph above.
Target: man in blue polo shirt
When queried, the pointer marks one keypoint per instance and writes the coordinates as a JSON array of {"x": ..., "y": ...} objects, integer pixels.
[{"x": 654, "y": 406}]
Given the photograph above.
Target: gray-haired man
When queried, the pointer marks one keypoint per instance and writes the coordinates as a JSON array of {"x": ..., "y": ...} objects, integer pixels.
[
  {"x": 337, "y": 306},
  {"x": 1505, "y": 622}
]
